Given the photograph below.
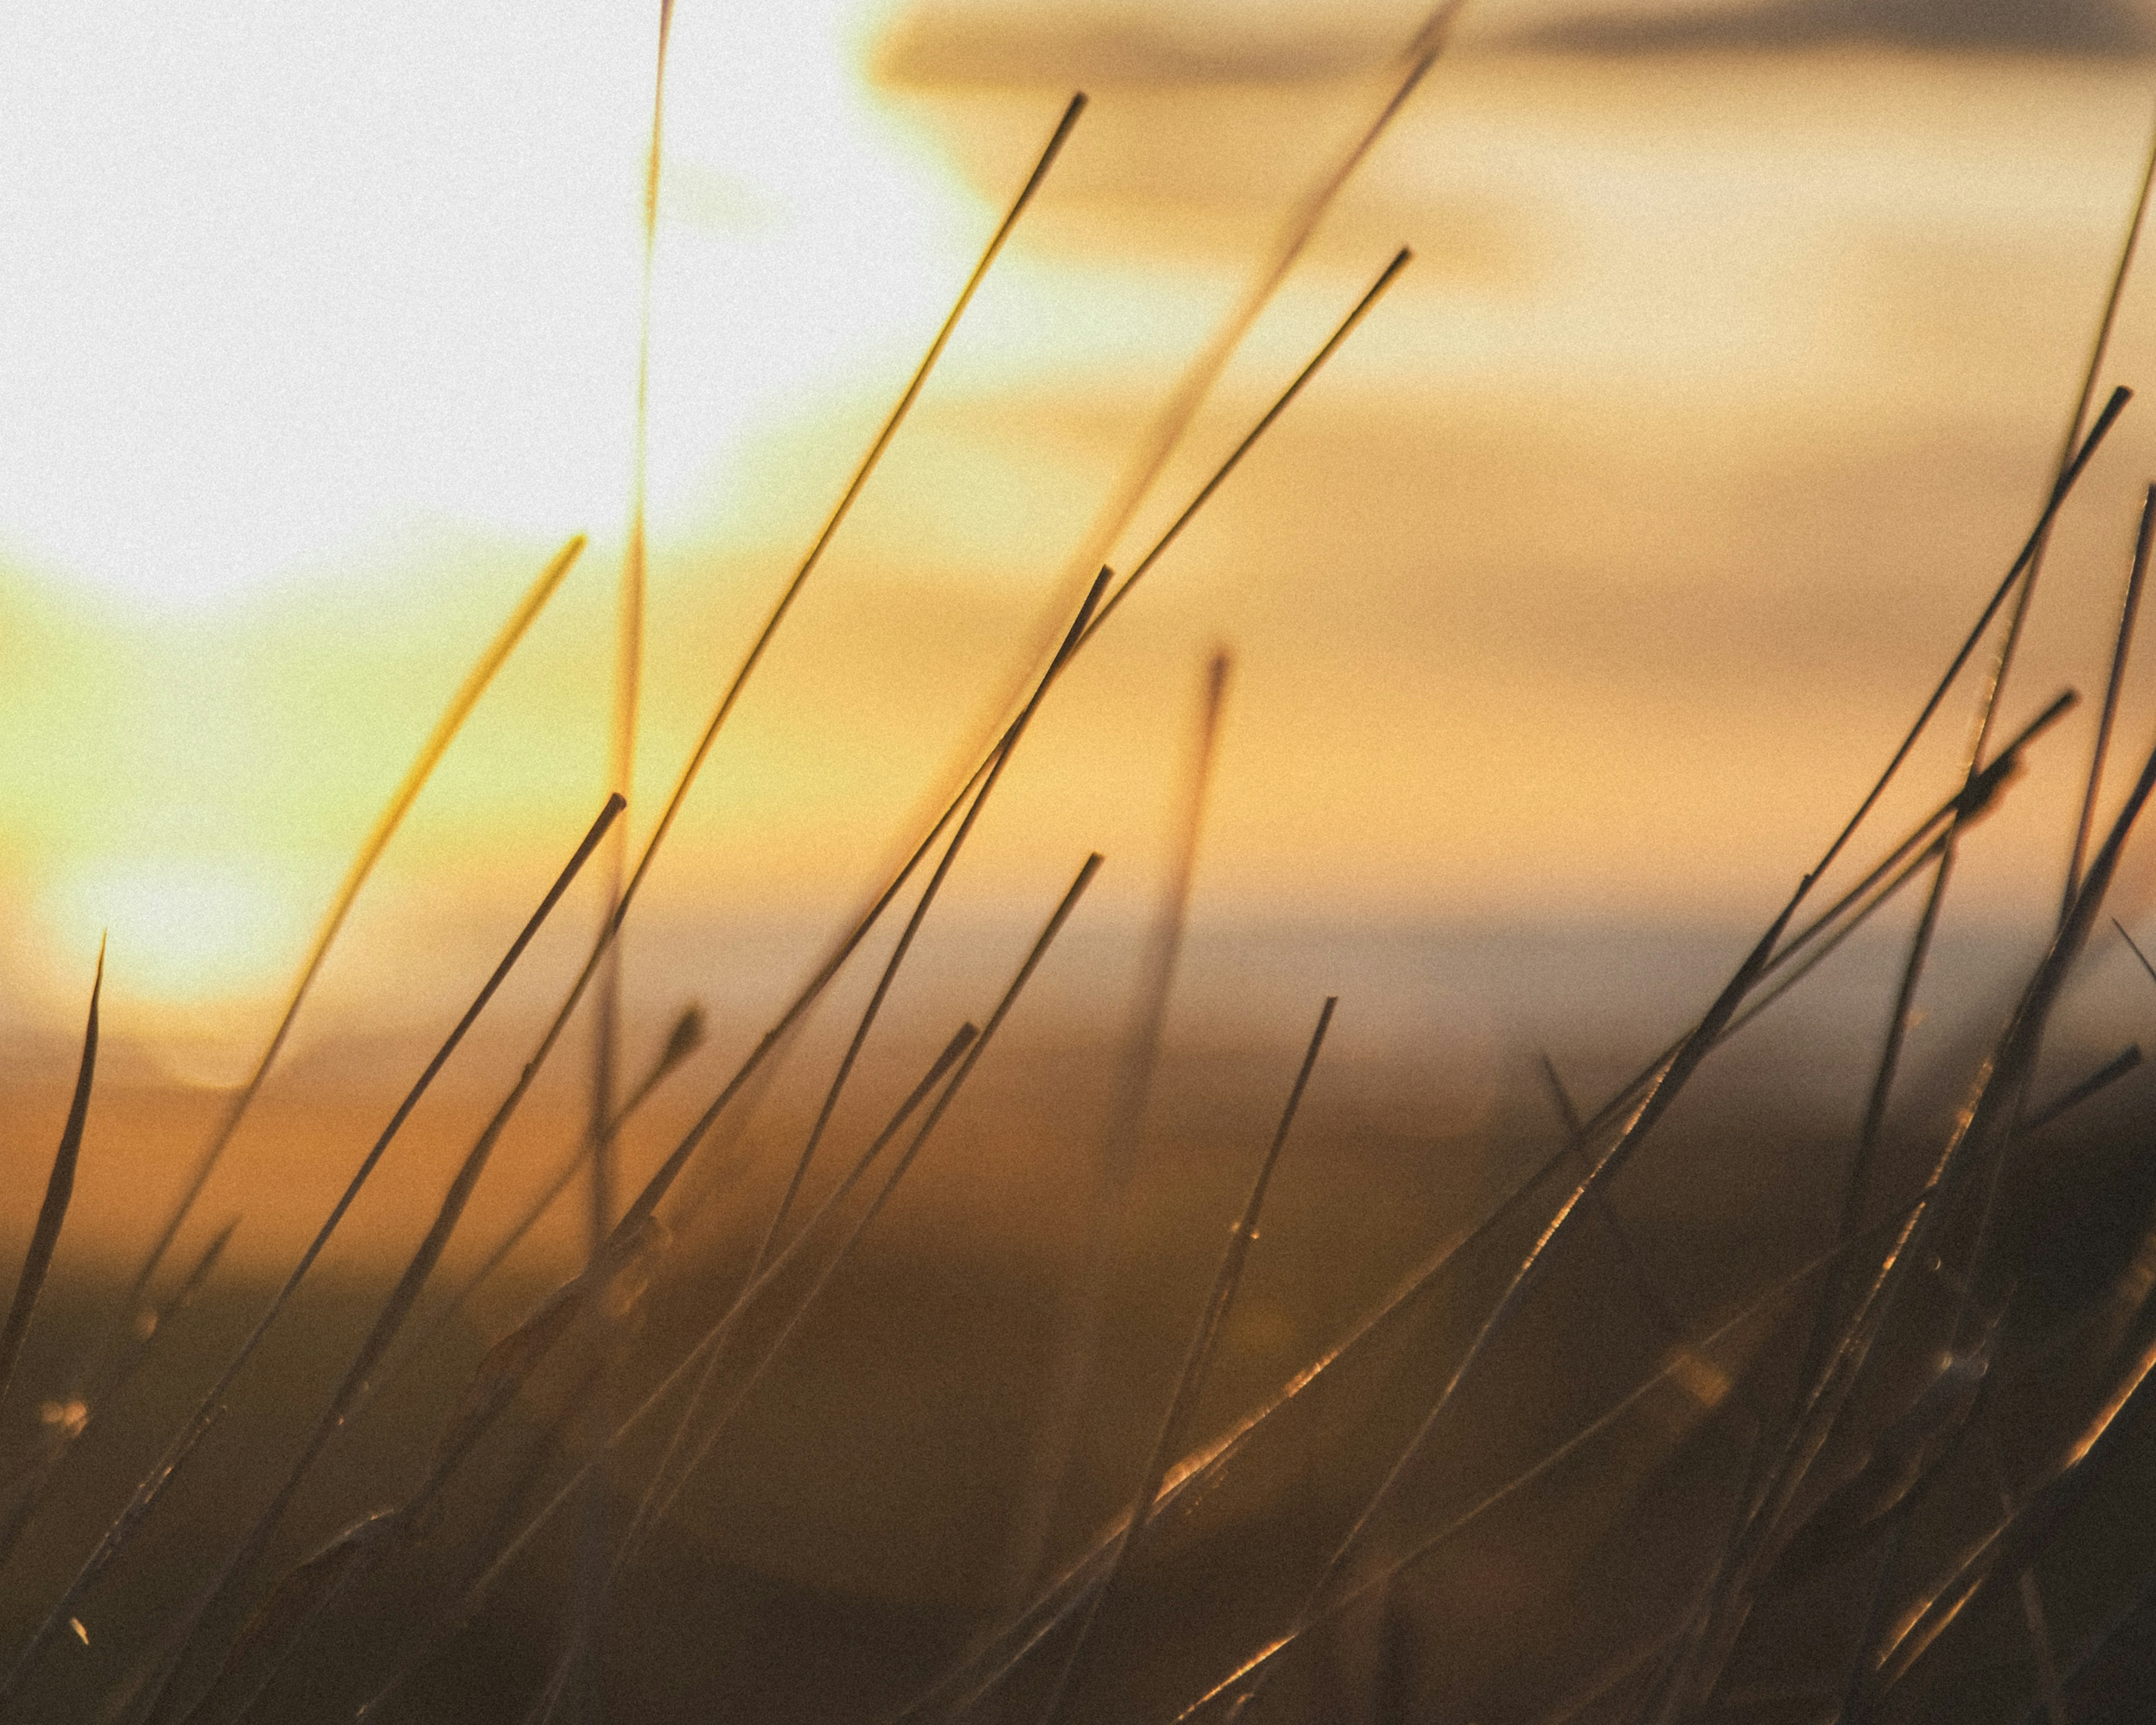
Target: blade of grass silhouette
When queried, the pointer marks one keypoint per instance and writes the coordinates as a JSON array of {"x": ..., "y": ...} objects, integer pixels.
[
  {"x": 1988, "y": 706},
  {"x": 1198, "y": 1360},
  {"x": 210, "y": 1408},
  {"x": 1198, "y": 1471},
  {"x": 1372, "y": 295},
  {"x": 641, "y": 1210},
  {"x": 1966, "y": 804},
  {"x": 2003, "y": 662},
  {"x": 2127, "y": 610},
  {"x": 1075, "y": 1356},
  {"x": 685, "y": 1038},
  {"x": 2134, "y": 947},
  {"x": 2116, "y": 1068},
  {"x": 2041, "y": 1652},
  {"x": 1777, "y": 1447},
  {"x": 2020, "y": 1537},
  {"x": 61, "y": 1435},
  {"x": 1426, "y": 1275},
  {"x": 1527, "y": 1276},
  {"x": 621, "y": 780},
  {"x": 660, "y": 1498},
  {"x": 844, "y": 507},
  {"x": 655, "y": 1188},
  {"x": 59, "y": 1191},
  {"x": 417, "y": 1505},
  {"x": 2104, "y": 420},
  {"x": 1667, "y": 1373},
  {"x": 993, "y": 772},
  {"x": 628, "y": 658},
  {"x": 386, "y": 824}
]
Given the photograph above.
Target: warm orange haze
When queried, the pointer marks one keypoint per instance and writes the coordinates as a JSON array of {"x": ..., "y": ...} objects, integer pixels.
[
  {"x": 1566, "y": 613},
  {"x": 1595, "y": 573}
]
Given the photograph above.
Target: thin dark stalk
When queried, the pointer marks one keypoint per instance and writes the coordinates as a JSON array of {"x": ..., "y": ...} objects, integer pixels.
[
  {"x": 2029, "y": 550},
  {"x": 2116, "y": 1068},
  {"x": 2097, "y": 347},
  {"x": 385, "y": 823},
  {"x": 1096, "y": 615},
  {"x": 868, "y": 464},
  {"x": 211, "y": 1407},
  {"x": 711, "y": 1344},
  {"x": 1660, "y": 1313},
  {"x": 1964, "y": 807},
  {"x": 405, "y": 1295},
  {"x": 621, "y": 780},
  {"x": 1386, "y": 277},
  {"x": 746, "y": 669},
  {"x": 1076, "y": 1358},
  {"x": 1196, "y": 1362},
  {"x": 59, "y": 1189},
  {"x": 514, "y": 1536},
  {"x": 2122, "y": 643}
]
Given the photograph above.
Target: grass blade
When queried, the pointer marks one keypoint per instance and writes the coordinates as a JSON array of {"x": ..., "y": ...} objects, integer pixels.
[
  {"x": 2127, "y": 611},
  {"x": 1196, "y": 1361},
  {"x": 59, "y": 1189},
  {"x": 1071, "y": 1380}
]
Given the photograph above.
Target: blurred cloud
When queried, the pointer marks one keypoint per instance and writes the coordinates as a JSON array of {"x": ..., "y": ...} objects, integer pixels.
[
  {"x": 1205, "y": 42},
  {"x": 2074, "y": 26}
]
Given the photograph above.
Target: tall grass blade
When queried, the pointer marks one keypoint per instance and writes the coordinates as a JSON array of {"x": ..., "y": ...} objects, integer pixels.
[
  {"x": 685, "y": 1038},
  {"x": 2124, "y": 640},
  {"x": 59, "y": 1189},
  {"x": 1076, "y": 1359},
  {"x": 398, "y": 1306},
  {"x": 1198, "y": 1361}
]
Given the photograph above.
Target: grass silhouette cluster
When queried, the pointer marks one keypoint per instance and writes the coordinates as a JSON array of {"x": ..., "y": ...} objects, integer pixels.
[{"x": 1900, "y": 1471}]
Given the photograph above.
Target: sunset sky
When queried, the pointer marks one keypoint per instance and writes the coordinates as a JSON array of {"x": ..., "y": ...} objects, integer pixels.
[{"x": 1593, "y": 580}]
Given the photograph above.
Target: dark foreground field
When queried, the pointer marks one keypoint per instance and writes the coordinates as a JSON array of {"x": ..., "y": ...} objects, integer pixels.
[{"x": 877, "y": 1502}]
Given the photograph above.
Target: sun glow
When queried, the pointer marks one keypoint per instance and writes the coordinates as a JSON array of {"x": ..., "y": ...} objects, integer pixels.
[{"x": 285, "y": 286}]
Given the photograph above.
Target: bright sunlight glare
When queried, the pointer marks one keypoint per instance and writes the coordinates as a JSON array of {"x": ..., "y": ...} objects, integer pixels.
[{"x": 288, "y": 286}]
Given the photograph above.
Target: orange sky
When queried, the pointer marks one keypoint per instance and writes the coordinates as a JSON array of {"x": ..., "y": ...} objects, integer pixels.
[{"x": 1595, "y": 577}]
